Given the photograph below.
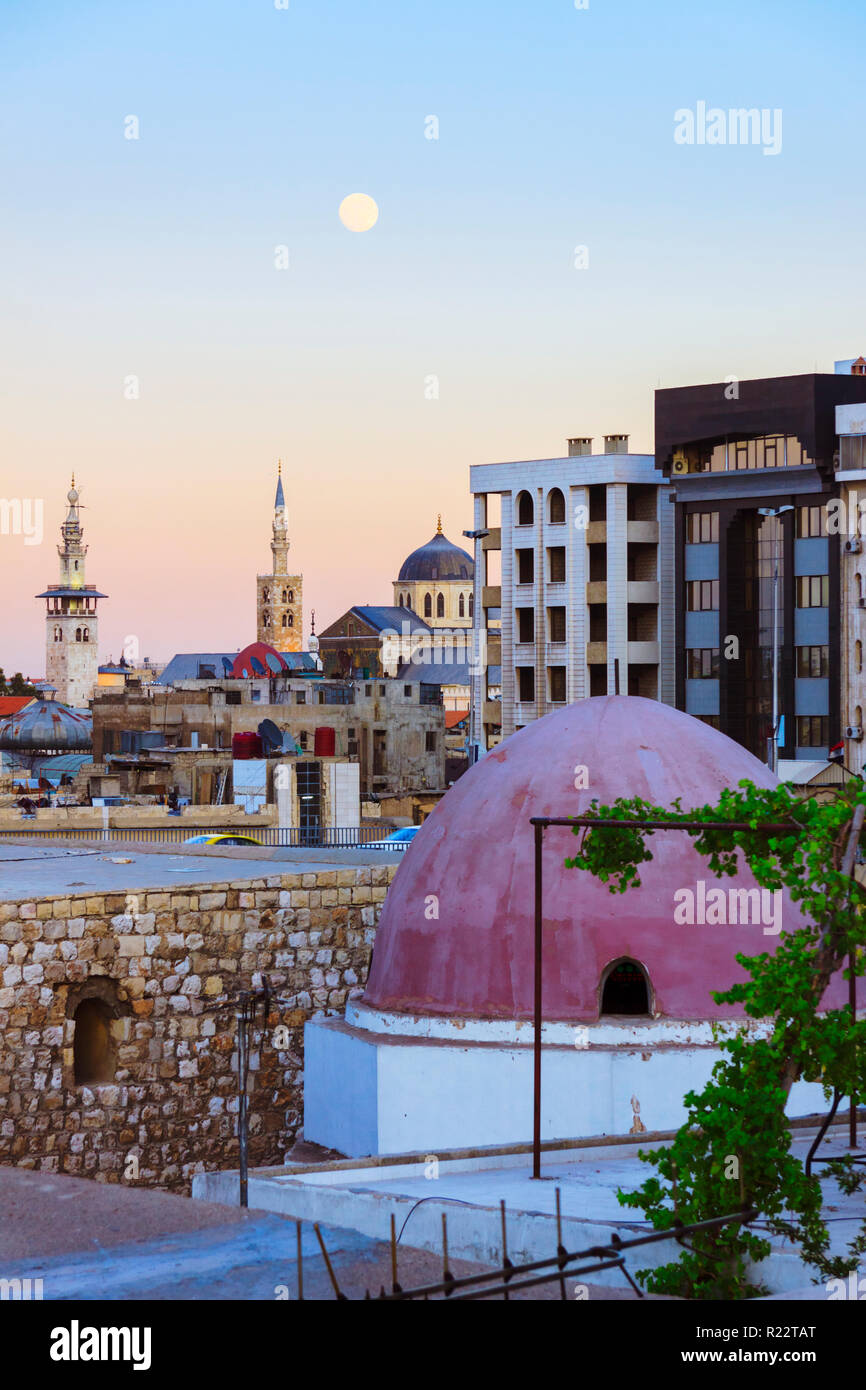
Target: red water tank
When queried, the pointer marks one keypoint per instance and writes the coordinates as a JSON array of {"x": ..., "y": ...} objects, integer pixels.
[
  {"x": 246, "y": 746},
  {"x": 325, "y": 744}
]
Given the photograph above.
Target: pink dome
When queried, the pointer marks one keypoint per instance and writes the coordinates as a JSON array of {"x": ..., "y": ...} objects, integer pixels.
[{"x": 475, "y": 855}]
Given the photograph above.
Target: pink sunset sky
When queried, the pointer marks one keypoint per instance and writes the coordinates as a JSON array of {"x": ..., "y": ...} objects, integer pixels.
[{"x": 155, "y": 257}]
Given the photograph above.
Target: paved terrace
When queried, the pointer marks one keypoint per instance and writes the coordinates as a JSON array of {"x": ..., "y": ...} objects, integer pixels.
[{"x": 54, "y": 869}]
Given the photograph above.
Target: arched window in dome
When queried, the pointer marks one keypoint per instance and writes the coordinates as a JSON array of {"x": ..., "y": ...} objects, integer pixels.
[
  {"x": 625, "y": 989},
  {"x": 525, "y": 509},
  {"x": 461, "y": 607},
  {"x": 428, "y": 606},
  {"x": 472, "y": 605},
  {"x": 556, "y": 507},
  {"x": 400, "y": 601},
  {"x": 440, "y": 605}
]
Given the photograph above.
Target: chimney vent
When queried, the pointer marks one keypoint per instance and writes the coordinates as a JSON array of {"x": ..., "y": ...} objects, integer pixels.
[
  {"x": 580, "y": 447},
  {"x": 616, "y": 443}
]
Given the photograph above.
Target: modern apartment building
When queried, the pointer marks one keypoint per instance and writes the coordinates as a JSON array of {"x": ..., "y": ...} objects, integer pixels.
[
  {"x": 752, "y": 469},
  {"x": 573, "y": 577},
  {"x": 848, "y": 520}
]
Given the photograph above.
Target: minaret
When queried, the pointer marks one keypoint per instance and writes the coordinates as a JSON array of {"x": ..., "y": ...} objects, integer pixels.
[
  {"x": 72, "y": 633},
  {"x": 279, "y": 595}
]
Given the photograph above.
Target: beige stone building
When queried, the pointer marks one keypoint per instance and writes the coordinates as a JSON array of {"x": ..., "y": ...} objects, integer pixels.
[
  {"x": 71, "y": 623},
  {"x": 279, "y": 595}
]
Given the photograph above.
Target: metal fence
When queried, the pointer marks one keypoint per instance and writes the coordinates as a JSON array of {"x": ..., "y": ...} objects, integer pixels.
[{"x": 314, "y": 837}]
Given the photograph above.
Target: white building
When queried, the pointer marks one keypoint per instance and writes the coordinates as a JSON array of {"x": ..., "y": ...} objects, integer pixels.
[{"x": 584, "y": 603}]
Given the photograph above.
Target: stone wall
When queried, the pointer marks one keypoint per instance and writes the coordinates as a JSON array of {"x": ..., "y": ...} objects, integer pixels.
[{"x": 159, "y": 961}]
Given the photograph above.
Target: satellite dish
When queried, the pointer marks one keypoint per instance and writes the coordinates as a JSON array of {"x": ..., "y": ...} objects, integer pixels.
[
  {"x": 228, "y": 666},
  {"x": 270, "y": 735}
]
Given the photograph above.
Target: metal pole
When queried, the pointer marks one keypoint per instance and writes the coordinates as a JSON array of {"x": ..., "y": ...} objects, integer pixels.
[
  {"x": 774, "y": 765},
  {"x": 241, "y": 1017},
  {"x": 536, "y": 1081},
  {"x": 852, "y": 1000}
]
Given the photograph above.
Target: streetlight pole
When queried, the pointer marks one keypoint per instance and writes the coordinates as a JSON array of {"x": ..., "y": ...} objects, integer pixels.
[{"x": 773, "y": 740}]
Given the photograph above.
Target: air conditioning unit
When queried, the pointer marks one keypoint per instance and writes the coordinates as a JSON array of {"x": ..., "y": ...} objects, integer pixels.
[
  {"x": 681, "y": 463},
  {"x": 853, "y": 547},
  {"x": 855, "y": 732}
]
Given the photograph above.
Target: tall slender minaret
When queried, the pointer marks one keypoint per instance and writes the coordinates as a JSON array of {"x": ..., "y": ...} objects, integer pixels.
[
  {"x": 72, "y": 632},
  {"x": 279, "y": 595}
]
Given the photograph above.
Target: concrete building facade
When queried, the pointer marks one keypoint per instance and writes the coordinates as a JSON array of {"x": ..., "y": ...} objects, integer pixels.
[{"x": 586, "y": 584}]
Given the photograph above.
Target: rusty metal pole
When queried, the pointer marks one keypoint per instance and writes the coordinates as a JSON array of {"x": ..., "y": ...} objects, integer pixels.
[
  {"x": 241, "y": 1017},
  {"x": 536, "y": 1082},
  {"x": 852, "y": 1000}
]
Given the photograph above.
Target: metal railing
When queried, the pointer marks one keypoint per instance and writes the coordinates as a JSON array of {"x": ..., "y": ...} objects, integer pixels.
[{"x": 318, "y": 837}]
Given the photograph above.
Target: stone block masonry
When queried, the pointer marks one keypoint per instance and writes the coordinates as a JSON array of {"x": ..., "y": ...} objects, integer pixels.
[{"x": 137, "y": 975}]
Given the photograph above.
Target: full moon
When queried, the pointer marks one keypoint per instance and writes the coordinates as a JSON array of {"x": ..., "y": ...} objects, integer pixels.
[{"x": 359, "y": 212}]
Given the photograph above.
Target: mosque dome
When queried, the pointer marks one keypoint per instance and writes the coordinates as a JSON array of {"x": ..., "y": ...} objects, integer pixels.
[
  {"x": 456, "y": 932},
  {"x": 439, "y": 559},
  {"x": 47, "y": 727}
]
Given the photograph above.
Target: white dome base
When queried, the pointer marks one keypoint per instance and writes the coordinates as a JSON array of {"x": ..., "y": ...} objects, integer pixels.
[{"x": 378, "y": 1083}]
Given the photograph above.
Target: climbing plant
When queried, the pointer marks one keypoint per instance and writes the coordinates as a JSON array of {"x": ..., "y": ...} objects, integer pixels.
[{"x": 733, "y": 1152}]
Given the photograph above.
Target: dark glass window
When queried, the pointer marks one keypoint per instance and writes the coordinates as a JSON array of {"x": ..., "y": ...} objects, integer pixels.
[
  {"x": 526, "y": 624},
  {"x": 702, "y": 663},
  {"x": 556, "y": 676},
  {"x": 813, "y": 662},
  {"x": 525, "y": 683},
  {"x": 813, "y": 590},
  {"x": 702, "y": 595},
  {"x": 813, "y": 730},
  {"x": 525, "y": 566},
  {"x": 702, "y": 527},
  {"x": 556, "y": 564},
  {"x": 811, "y": 521}
]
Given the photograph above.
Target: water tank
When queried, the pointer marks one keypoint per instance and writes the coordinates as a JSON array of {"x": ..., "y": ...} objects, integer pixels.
[
  {"x": 246, "y": 746},
  {"x": 325, "y": 744}
]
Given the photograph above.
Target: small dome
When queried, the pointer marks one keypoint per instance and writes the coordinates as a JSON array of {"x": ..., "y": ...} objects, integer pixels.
[
  {"x": 467, "y": 950},
  {"x": 72, "y": 495},
  {"x": 438, "y": 559},
  {"x": 45, "y": 727}
]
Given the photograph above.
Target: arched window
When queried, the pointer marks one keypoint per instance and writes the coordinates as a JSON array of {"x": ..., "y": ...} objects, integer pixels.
[
  {"x": 625, "y": 988},
  {"x": 85, "y": 637},
  {"x": 266, "y": 620},
  {"x": 78, "y": 634},
  {"x": 285, "y": 621},
  {"x": 266, "y": 594},
  {"x": 472, "y": 605},
  {"x": 858, "y": 716},
  {"x": 440, "y": 605},
  {"x": 291, "y": 596},
  {"x": 285, "y": 595},
  {"x": 858, "y": 657},
  {"x": 291, "y": 622},
  {"x": 461, "y": 607},
  {"x": 93, "y": 1049},
  {"x": 556, "y": 507},
  {"x": 58, "y": 634},
  {"x": 428, "y": 606},
  {"x": 525, "y": 509},
  {"x": 400, "y": 601}
]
